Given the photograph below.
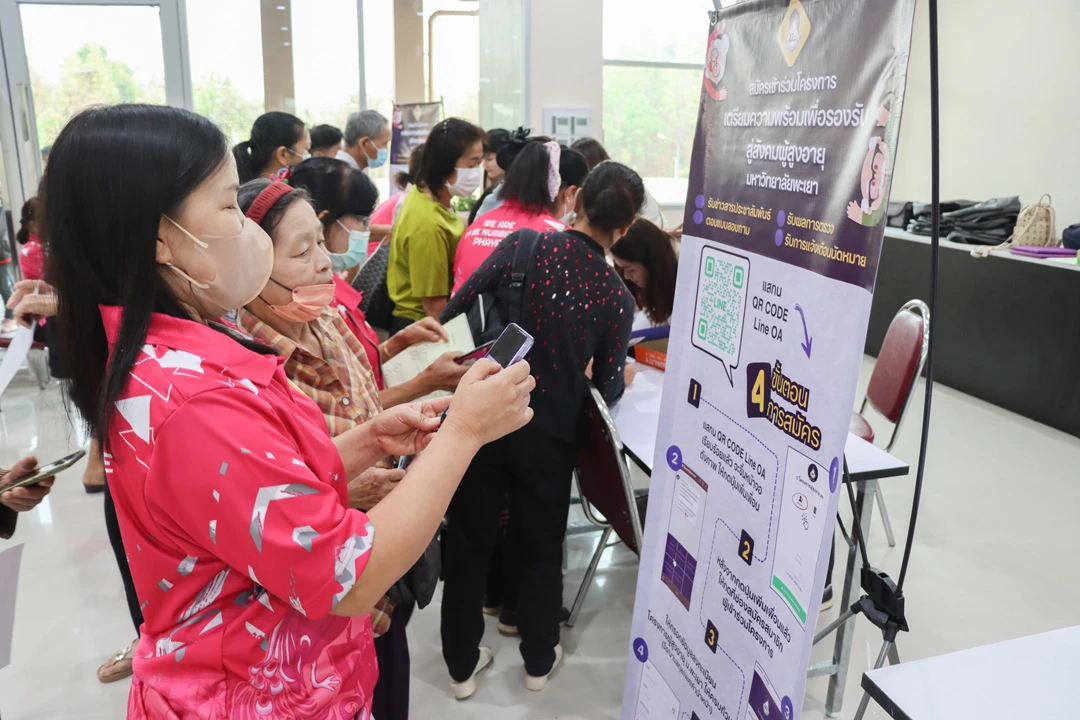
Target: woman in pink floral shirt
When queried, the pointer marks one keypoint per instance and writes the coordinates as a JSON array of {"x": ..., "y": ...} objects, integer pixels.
[{"x": 255, "y": 577}]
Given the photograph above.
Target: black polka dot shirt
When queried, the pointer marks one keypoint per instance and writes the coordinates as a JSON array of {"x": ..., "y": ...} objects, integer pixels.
[{"x": 577, "y": 308}]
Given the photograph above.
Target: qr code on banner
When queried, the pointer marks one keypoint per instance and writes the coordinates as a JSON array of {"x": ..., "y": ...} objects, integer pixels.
[{"x": 723, "y": 279}]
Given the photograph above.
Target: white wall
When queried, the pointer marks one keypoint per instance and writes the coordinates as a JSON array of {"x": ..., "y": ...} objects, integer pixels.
[
  {"x": 1010, "y": 104},
  {"x": 565, "y": 64}
]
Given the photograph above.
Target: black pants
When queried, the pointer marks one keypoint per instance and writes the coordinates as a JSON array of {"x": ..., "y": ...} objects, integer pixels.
[
  {"x": 121, "y": 560},
  {"x": 502, "y": 576},
  {"x": 390, "y": 699},
  {"x": 536, "y": 470}
]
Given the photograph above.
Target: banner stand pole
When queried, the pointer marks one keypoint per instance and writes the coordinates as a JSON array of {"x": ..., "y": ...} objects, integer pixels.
[{"x": 883, "y": 601}]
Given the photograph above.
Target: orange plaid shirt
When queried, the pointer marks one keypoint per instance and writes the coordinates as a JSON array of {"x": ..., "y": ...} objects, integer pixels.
[{"x": 340, "y": 382}]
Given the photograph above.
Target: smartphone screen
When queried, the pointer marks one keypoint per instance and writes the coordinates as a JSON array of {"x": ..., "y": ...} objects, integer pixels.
[
  {"x": 511, "y": 346},
  {"x": 45, "y": 471}
]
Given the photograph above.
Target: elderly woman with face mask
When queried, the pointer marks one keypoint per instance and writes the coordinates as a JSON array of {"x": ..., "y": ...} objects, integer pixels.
[
  {"x": 255, "y": 575},
  {"x": 328, "y": 363}
]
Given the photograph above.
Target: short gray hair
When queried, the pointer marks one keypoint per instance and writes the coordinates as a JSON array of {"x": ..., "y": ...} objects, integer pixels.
[{"x": 367, "y": 123}]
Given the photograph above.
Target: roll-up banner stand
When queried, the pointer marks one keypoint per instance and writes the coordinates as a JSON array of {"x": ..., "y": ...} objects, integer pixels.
[{"x": 789, "y": 184}]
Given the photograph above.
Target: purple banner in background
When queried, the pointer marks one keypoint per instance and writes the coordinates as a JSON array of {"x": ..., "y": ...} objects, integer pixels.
[
  {"x": 410, "y": 127},
  {"x": 797, "y": 130}
]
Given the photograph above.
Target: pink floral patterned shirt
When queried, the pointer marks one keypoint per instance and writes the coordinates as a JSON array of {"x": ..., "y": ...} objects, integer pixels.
[{"x": 232, "y": 501}]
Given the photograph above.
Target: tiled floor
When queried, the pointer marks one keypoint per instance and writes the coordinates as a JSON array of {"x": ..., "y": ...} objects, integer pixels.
[{"x": 994, "y": 559}]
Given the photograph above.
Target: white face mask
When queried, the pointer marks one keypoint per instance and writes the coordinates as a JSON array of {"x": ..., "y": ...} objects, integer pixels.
[
  {"x": 242, "y": 265},
  {"x": 468, "y": 180}
]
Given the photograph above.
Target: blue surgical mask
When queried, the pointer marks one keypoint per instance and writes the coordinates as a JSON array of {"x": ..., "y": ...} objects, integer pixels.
[
  {"x": 380, "y": 158},
  {"x": 357, "y": 252}
]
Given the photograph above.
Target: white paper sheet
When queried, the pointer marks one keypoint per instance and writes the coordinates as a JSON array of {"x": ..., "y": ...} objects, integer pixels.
[
  {"x": 411, "y": 362},
  {"x": 15, "y": 355},
  {"x": 9, "y": 584}
]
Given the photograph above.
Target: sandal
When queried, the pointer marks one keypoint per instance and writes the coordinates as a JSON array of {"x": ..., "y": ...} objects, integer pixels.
[{"x": 118, "y": 666}]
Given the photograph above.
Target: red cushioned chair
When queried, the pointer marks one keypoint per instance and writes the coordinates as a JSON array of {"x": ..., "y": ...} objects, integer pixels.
[
  {"x": 608, "y": 498},
  {"x": 898, "y": 366}
]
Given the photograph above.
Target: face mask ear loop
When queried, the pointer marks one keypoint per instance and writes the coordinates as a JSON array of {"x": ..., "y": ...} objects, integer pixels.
[
  {"x": 181, "y": 228},
  {"x": 197, "y": 241},
  {"x": 283, "y": 287},
  {"x": 193, "y": 281}
]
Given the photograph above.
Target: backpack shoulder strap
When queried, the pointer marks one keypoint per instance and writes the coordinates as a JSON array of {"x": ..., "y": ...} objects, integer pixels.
[{"x": 523, "y": 255}]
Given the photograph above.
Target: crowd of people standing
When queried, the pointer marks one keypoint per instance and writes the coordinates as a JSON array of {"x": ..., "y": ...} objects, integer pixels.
[{"x": 247, "y": 442}]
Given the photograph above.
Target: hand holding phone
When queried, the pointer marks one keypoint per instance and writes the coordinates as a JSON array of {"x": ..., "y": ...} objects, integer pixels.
[
  {"x": 511, "y": 346},
  {"x": 45, "y": 471},
  {"x": 491, "y": 402},
  {"x": 474, "y": 355}
]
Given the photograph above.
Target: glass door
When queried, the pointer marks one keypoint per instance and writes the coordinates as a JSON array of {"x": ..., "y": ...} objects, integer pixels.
[{"x": 61, "y": 56}]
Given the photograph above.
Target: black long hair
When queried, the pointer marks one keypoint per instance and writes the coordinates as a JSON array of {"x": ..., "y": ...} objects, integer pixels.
[
  {"x": 612, "y": 196},
  {"x": 593, "y": 151},
  {"x": 336, "y": 187},
  {"x": 408, "y": 177},
  {"x": 26, "y": 216},
  {"x": 113, "y": 172},
  {"x": 526, "y": 181},
  {"x": 649, "y": 246},
  {"x": 269, "y": 132},
  {"x": 445, "y": 144}
]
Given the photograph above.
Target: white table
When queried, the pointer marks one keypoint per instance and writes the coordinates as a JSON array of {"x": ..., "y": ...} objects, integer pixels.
[
  {"x": 637, "y": 418},
  {"x": 1028, "y": 677}
]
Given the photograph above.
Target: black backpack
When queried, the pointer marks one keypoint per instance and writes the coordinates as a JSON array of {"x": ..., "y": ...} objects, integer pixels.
[
  {"x": 376, "y": 304},
  {"x": 492, "y": 311}
]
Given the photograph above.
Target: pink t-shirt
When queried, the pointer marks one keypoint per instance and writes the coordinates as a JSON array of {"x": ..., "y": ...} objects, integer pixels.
[
  {"x": 32, "y": 259},
  {"x": 489, "y": 229},
  {"x": 384, "y": 214},
  {"x": 233, "y": 506}
]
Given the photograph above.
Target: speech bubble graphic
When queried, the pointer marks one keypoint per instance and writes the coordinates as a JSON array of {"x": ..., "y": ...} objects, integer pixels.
[{"x": 723, "y": 280}]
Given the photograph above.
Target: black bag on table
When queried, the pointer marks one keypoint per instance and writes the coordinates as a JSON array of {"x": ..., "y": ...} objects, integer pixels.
[
  {"x": 899, "y": 214},
  {"x": 1070, "y": 237}
]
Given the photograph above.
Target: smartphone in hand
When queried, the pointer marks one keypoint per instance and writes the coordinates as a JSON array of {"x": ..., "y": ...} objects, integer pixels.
[
  {"x": 53, "y": 468},
  {"x": 476, "y": 354},
  {"x": 511, "y": 346}
]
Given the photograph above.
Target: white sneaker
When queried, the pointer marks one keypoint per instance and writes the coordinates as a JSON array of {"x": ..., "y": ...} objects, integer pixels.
[
  {"x": 466, "y": 689},
  {"x": 538, "y": 683}
]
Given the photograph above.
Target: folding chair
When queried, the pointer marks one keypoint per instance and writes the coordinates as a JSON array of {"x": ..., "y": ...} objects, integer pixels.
[
  {"x": 608, "y": 498},
  {"x": 898, "y": 366}
]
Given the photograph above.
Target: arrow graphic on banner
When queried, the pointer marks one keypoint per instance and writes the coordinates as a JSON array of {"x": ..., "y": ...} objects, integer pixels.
[{"x": 809, "y": 344}]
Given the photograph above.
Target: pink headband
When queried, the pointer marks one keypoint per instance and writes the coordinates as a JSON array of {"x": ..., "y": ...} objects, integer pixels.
[
  {"x": 266, "y": 199},
  {"x": 554, "y": 179}
]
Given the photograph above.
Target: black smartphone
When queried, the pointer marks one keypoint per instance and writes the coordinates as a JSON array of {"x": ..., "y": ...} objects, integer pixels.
[
  {"x": 511, "y": 346},
  {"x": 53, "y": 468},
  {"x": 474, "y": 354}
]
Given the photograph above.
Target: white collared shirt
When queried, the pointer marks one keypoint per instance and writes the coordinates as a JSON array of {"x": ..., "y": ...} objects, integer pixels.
[{"x": 342, "y": 155}]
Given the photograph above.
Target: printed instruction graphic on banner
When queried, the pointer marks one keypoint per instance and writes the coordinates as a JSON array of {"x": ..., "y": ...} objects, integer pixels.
[
  {"x": 803, "y": 517},
  {"x": 684, "y": 534},
  {"x": 789, "y": 180}
]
